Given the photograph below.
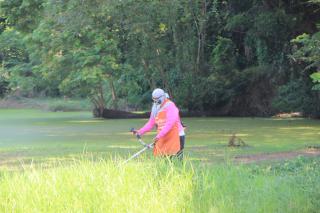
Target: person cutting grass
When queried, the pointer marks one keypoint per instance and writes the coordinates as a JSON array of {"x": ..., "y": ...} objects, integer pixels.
[{"x": 170, "y": 137}]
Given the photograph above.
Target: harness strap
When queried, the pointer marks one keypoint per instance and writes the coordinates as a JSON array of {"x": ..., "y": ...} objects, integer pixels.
[{"x": 156, "y": 110}]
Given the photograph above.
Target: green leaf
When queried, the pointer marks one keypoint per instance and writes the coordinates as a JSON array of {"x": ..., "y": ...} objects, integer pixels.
[{"x": 316, "y": 77}]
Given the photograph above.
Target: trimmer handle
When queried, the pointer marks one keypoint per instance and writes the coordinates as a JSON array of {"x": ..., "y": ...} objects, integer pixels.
[{"x": 135, "y": 132}]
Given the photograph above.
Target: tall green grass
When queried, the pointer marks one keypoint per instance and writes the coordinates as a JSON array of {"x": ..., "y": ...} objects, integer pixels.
[{"x": 162, "y": 186}]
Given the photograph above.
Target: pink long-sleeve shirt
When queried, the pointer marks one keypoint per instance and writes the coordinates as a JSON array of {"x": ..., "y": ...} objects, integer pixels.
[{"x": 172, "y": 113}]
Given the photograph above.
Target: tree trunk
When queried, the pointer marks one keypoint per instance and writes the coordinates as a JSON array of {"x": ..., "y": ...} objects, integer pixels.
[
  {"x": 98, "y": 100},
  {"x": 150, "y": 80},
  {"x": 164, "y": 79},
  {"x": 203, "y": 31},
  {"x": 114, "y": 94},
  {"x": 200, "y": 24}
]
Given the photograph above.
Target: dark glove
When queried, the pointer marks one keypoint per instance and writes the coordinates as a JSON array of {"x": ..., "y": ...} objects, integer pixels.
[{"x": 135, "y": 132}]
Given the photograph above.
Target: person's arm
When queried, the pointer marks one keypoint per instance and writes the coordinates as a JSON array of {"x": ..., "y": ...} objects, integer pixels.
[
  {"x": 147, "y": 127},
  {"x": 172, "y": 117}
]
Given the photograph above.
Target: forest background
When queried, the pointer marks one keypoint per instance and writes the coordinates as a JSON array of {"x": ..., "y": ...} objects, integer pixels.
[{"x": 236, "y": 57}]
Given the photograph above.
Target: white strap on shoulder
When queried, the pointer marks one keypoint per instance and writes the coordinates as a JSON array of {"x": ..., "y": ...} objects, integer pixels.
[{"x": 155, "y": 109}]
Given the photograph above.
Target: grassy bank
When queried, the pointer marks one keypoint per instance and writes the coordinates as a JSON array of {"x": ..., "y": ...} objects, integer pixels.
[
  {"x": 27, "y": 135},
  {"x": 160, "y": 186},
  {"x": 61, "y": 162},
  {"x": 47, "y": 104}
]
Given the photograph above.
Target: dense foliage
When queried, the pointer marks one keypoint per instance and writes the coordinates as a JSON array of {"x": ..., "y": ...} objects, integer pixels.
[{"x": 232, "y": 57}]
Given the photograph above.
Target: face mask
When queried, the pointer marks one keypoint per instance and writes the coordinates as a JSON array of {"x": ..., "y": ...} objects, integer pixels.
[{"x": 158, "y": 100}]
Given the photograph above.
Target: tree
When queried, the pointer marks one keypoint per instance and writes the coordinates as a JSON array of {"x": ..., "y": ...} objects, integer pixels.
[
  {"x": 15, "y": 71},
  {"x": 230, "y": 57},
  {"x": 24, "y": 15},
  {"x": 77, "y": 50},
  {"x": 309, "y": 52},
  {"x": 316, "y": 79}
]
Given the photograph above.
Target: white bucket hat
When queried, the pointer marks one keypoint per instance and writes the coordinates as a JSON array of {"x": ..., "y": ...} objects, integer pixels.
[{"x": 158, "y": 96}]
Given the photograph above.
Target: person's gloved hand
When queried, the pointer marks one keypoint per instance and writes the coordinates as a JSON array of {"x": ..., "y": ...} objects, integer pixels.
[{"x": 136, "y": 133}]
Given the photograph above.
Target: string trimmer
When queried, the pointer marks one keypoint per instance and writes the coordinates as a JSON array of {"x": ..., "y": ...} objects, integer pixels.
[{"x": 145, "y": 146}]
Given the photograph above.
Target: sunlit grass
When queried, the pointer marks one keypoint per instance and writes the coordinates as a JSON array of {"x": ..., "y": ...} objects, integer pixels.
[
  {"x": 161, "y": 186},
  {"x": 70, "y": 162}
]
